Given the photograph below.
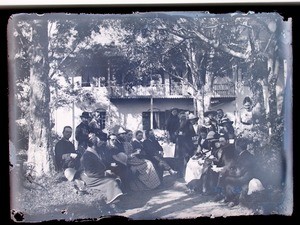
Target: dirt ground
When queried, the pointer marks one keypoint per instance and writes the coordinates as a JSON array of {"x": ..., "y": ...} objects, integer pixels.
[{"x": 170, "y": 201}]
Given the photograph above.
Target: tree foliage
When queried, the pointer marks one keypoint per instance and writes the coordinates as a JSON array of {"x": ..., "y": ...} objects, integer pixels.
[{"x": 194, "y": 48}]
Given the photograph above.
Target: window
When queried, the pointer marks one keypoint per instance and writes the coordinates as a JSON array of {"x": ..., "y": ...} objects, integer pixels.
[
  {"x": 102, "y": 120},
  {"x": 159, "y": 120}
]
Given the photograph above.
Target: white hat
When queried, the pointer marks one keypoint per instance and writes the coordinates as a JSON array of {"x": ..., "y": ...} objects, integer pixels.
[
  {"x": 121, "y": 131},
  {"x": 255, "y": 185},
  {"x": 70, "y": 173},
  {"x": 121, "y": 158},
  {"x": 192, "y": 116}
]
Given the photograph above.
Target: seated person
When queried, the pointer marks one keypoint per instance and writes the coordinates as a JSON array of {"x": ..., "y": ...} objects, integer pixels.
[
  {"x": 235, "y": 178},
  {"x": 144, "y": 175},
  {"x": 116, "y": 160},
  {"x": 199, "y": 176},
  {"x": 65, "y": 154},
  {"x": 96, "y": 176},
  {"x": 154, "y": 153}
]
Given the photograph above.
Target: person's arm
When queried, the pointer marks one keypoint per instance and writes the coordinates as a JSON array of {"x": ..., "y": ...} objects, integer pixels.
[{"x": 78, "y": 133}]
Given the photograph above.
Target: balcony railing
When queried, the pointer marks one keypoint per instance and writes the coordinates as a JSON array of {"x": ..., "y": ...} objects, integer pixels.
[
  {"x": 162, "y": 90},
  {"x": 157, "y": 90},
  {"x": 224, "y": 90}
]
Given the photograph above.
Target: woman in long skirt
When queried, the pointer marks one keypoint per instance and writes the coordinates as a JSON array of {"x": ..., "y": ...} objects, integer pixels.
[
  {"x": 95, "y": 176},
  {"x": 144, "y": 173}
]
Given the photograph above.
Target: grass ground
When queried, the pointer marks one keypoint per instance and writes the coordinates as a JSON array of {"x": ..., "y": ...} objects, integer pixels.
[{"x": 56, "y": 199}]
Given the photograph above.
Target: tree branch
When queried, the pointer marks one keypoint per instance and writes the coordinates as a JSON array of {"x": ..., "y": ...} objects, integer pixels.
[
  {"x": 64, "y": 59},
  {"x": 222, "y": 47}
]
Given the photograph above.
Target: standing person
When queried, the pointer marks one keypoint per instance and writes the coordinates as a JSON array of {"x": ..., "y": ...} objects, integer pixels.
[
  {"x": 172, "y": 125},
  {"x": 65, "y": 154},
  {"x": 220, "y": 116},
  {"x": 194, "y": 121},
  {"x": 184, "y": 147},
  {"x": 144, "y": 176},
  {"x": 96, "y": 176},
  {"x": 154, "y": 153},
  {"x": 211, "y": 115},
  {"x": 95, "y": 120},
  {"x": 246, "y": 116},
  {"x": 208, "y": 125},
  {"x": 82, "y": 132}
]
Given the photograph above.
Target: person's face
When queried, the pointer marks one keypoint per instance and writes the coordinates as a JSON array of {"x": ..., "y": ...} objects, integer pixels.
[
  {"x": 183, "y": 118},
  {"x": 247, "y": 106},
  {"x": 151, "y": 134},
  {"x": 217, "y": 144},
  {"x": 222, "y": 141},
  {"x": 129, "y": 136},
  {"x": 174, "y": 112},
  {"x": 67, "y": 133},
  {"x": 203, "y": 135},
  {"x": 139, "y": 136},
  {"x": 84, "y": 120},
  {"x": 220, "y": 113},
  {"x": 194, "y": 121},
  {"x": 113, "y": 139}
]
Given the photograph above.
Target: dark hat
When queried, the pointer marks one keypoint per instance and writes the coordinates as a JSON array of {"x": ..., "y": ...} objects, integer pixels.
[
  {"x": 121, "y": 157},
  {"x": 213, "y": 112},
  {"x": 225, "y": 120},
  {"x": 85, "y": 115}
]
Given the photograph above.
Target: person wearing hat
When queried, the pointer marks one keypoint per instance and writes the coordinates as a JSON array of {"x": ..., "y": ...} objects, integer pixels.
[
  {"x": 226, "y": 128},
  {"x": 82, "y": 132},
  {"x": 97, "y": 176},
  {"x": 198, "y": 174},
  {"x": 65, "y": 154},
  {"x": 172, "y": 125}
]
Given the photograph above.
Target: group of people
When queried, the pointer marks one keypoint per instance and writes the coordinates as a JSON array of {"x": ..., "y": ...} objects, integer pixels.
[
  {"x": 207, "y": 155},
  {"x": 213, "y": 156},
  {"x": 113, "y": 163}
]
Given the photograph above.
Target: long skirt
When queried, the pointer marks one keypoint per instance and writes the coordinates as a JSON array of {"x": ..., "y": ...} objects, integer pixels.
[
  {"x": 194, "y": 169},
  {"x": 108, "y": 187},
  {"x": 145, "y": 176}
]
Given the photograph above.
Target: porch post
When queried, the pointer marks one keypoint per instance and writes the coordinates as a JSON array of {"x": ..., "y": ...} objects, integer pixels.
[
  {"x": 151, "y": 112},
  {"x": 73, "y": 114}
]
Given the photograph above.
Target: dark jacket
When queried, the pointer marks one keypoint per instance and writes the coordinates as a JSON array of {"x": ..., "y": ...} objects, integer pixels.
[
  {"x": 92, "y": 165},
  {"x": 63, "y": 149},
  {"x": 152, "y": 148},
  {"x": 172, "y": 123},
  {"x": 82, "y": 134}
]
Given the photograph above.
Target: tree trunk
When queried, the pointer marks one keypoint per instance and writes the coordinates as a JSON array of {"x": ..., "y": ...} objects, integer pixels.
[
  {"x": 272, "y": 81},
  {"x": 40, "y": 156}
]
